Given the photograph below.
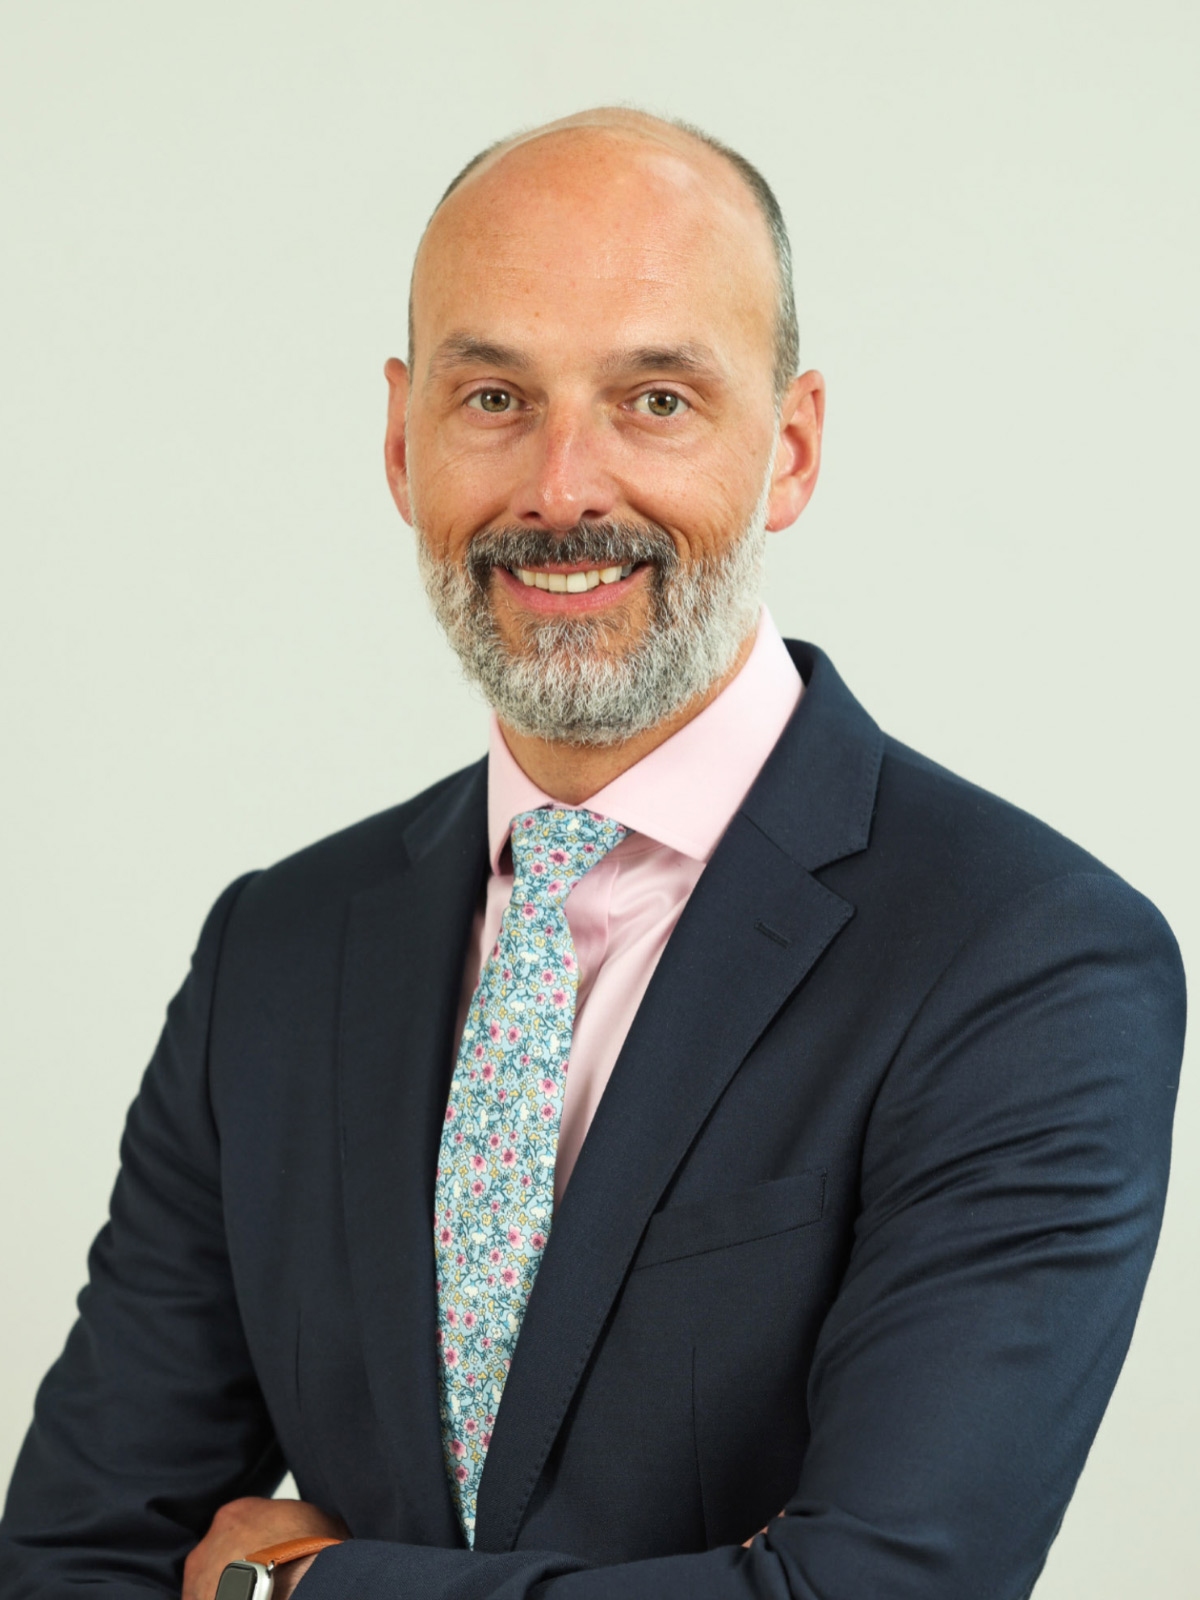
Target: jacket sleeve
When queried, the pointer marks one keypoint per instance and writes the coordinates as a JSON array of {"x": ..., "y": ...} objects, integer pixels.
[
  {"x": 1014, "y": 1172},
  {"x": 151, "y": 1417}
]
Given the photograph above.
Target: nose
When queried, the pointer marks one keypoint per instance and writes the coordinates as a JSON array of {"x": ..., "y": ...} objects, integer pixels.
[{"x": 565, "y": 480}]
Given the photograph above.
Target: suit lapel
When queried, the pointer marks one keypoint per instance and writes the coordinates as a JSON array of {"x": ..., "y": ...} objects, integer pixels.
[
  {"x": 754, "y": 927},
  {"x": 406, "y": 947}
]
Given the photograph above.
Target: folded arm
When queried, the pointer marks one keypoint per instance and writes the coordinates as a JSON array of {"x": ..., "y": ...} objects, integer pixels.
[
  {"x": 1012, "y": 1182},
  {"x": 151, "y": 1418},
  {"x": 1013, "y": 1179}
]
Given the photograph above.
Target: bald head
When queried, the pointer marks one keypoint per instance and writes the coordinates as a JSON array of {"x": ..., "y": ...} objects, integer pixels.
[{"x": 672, "y": 163}]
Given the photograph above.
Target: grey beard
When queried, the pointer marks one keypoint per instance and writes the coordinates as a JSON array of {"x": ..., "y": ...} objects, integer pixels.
[{"x": 569, "y": 681}]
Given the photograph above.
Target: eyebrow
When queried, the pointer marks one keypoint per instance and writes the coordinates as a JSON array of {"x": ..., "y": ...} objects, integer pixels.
[
  {"x": 463, "y": 349},
  {"x": 695, "y": 359}
]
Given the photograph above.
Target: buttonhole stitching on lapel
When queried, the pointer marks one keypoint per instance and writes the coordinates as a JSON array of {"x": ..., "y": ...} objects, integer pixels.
[{"x": 772, "y": 934}]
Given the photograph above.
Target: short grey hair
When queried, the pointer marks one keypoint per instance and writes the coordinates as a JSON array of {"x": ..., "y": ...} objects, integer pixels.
[{"x": 787, "y": 328}]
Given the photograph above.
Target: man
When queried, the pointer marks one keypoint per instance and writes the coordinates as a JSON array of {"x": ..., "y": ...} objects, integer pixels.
[{"x": 704, "y": 1105}]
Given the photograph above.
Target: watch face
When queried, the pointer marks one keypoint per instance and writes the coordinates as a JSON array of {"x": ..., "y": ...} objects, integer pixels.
[{"x": 240, "y": 1581}]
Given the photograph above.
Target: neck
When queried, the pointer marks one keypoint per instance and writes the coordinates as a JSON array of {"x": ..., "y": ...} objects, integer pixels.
[{"x": 572, "y": 773}]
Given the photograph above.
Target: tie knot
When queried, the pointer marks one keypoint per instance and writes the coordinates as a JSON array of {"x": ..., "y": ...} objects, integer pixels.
[{"x": 553, "y": 848}]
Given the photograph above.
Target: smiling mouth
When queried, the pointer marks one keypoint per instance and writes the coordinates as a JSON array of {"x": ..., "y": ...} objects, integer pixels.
[{"x": 578, "y": 582}]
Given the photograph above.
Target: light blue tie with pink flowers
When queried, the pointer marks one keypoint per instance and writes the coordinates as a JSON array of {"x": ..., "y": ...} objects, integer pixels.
[{"x": 494, "y": 1194}]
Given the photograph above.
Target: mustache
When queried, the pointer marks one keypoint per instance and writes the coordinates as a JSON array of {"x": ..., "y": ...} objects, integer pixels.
[{"x": 594, "y": 544}]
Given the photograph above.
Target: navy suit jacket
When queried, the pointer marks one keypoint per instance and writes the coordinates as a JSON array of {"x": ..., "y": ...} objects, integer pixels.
[{"x": 860, "y": 1227}]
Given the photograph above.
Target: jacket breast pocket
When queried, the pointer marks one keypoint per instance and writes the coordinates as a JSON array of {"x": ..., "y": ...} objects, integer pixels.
[{"x": 714, "y": 1223}]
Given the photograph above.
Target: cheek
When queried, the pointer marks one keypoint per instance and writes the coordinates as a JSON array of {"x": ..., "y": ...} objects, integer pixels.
[
  {"x": 705, "y": 496},
  {"x": 704, "y": 510},
  {"x": 446, "y": 483},
  {"x": 452, "y": 499}
]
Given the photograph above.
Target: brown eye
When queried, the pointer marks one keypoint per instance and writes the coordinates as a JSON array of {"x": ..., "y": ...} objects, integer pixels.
[
  {"x": 492, "y": 400},
  {"x": 661, "y": 402}
]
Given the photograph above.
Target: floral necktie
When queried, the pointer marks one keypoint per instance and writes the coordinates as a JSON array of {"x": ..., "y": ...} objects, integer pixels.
[{"x": 494, "y": 1194}]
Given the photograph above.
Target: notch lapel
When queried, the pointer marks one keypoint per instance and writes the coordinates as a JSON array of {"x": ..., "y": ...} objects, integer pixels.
[
  {"x": 406, "y": 946},
  {"x": 754, "y": 927}
]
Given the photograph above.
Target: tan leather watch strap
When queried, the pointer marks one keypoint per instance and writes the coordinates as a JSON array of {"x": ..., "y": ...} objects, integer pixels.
[{"x": 289, "y": 1550}]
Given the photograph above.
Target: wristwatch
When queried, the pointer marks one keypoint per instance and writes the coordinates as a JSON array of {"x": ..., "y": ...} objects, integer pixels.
[{"x": 254, "y": 1578}]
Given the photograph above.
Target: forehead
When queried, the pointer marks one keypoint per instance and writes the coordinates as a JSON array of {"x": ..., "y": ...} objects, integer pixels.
[{"x": 589, "y": 237}]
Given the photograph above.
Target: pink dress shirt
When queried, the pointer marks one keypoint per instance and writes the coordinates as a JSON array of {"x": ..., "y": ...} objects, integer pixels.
[{"x": 679, "y": 800}]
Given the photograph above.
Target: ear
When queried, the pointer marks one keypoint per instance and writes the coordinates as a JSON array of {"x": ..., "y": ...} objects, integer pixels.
[
  {"x": 395, "y": 448},
  {"x": 798, "y": 454}
]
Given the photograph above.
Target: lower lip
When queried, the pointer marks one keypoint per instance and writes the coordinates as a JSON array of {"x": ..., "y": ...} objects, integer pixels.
[{"x": 546, "y": 600}]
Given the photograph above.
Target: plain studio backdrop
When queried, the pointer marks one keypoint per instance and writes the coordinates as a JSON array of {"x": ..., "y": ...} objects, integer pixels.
[{"x": 215, "y": 645}]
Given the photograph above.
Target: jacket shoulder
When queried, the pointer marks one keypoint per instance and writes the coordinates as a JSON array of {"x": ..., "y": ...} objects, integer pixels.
[
  {"x": 329, "y": 871},
  {"x": 955, "y": 821},
  {"x": 962, "y": 853}
]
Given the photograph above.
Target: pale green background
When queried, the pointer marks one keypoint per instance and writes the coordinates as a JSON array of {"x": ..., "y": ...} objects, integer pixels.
[{"x": 215, "y": 649}]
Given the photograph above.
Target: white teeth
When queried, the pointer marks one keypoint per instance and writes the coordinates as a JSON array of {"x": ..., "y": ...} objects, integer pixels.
[{"x": 570, "y": 582}]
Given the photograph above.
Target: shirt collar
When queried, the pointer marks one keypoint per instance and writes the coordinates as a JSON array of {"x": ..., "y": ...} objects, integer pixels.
[{"x": 685, "y": 792}]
